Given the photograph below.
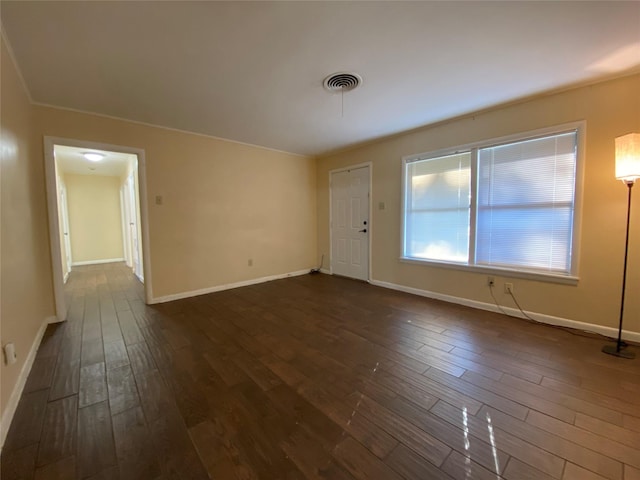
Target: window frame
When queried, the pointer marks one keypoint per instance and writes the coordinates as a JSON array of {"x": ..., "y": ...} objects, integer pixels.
[{"x": 572, "y": 277}]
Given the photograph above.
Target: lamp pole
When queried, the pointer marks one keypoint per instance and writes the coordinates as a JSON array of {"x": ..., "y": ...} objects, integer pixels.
[
  {"x": 618, "y": 350},
  {"x": 628, "y": 170}
]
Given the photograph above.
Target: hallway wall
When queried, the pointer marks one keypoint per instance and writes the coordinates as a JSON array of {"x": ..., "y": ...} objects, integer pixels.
[
  {"x": 26, "y": 285},
  {"x": 95, "y": 220}
]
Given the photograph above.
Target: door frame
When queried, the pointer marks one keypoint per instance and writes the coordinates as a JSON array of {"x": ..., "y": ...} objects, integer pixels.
[
  {"x": 64, "y": 209},
  {"x": 369, "y": 206},
  {"x": 54, "y": 226},
  {"x": 126, "y": 245},
  {"x": 133, "y": 217}
]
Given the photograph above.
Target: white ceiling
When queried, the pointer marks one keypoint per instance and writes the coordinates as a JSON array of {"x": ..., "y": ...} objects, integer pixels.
[
  {"x": 71, "y": 160},
  {"x": 253, "y": 71}
]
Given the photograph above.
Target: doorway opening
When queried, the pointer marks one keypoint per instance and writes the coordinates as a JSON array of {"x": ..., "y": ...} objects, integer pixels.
[
  {"x": 350, "y": 221},
  {"x": 96, "y": 197}
]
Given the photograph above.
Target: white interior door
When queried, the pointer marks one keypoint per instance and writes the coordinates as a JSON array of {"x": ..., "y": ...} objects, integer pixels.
[
  {"x": 350, "y": 223},
  {"x": 64, "y": 213},
  {"x": 124, "y": 213},
  {"x": 131, "y": 205}
]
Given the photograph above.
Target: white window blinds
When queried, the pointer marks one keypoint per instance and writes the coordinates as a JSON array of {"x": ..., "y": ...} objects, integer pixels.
[
  {"x": 525, "y": 203},
  {"x": 437, "y": 208}
]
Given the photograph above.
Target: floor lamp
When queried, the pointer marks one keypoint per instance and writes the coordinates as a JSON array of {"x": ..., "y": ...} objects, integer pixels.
[{"x": 627, "y": 170}]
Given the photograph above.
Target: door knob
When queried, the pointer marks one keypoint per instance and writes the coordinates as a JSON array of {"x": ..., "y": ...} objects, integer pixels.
[{"x": 363, "y": 230}]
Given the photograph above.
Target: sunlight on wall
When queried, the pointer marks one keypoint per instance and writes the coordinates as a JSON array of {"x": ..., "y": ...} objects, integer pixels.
[
  {"x": 618, "y": 60},
  {"x": 8, "y": 147}
]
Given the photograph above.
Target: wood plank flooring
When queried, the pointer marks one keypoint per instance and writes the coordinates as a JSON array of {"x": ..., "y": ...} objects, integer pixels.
[{"x": 315, "y": 377}]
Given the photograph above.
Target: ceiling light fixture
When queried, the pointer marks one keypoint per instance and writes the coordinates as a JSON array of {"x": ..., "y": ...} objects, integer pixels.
[{"x": 93, "y": 156}]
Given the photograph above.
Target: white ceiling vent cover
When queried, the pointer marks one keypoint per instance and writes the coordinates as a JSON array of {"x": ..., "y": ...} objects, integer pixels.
[{"x": 342, "y": 82}]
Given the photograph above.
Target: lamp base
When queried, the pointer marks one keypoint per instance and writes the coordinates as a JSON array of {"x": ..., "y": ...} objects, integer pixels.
[{"x": 623, "y": 352}]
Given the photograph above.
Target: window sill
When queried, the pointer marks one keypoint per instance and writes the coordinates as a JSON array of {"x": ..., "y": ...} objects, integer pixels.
[{"x": 503, "y": 272}]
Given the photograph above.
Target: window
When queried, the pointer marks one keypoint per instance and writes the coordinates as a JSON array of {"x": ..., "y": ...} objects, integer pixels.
[
  {"x": 437, "y": 208},
  {"x": 507, "y": 205}
]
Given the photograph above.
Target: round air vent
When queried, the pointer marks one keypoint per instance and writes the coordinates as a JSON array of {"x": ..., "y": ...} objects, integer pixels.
[{"x": 342, "y": 82}]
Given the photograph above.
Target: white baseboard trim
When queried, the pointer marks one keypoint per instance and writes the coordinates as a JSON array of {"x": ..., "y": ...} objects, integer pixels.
[
  {"x": 12, "y": 404},
  {"x": 96, "y": 262},
  {"x": 228, "y": 286},
  {"x": 514, "y": 312},
  {"x": 325, "y": 271}
]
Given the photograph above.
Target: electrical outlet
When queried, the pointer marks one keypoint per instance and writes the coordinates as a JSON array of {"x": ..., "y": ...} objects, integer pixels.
[
  {"x": 508, "y": 287},
  {"x": 491, "y": 281}
]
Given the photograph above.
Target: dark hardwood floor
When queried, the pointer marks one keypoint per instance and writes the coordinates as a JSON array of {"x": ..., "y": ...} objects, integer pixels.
[{"x": 316, "y": 377}]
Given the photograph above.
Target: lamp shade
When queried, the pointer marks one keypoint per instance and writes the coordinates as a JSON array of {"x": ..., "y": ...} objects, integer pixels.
[{"x": 628, "y": 157}]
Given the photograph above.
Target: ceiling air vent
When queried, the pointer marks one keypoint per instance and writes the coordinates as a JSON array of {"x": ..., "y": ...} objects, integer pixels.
[{"x": 342, "y": 82}]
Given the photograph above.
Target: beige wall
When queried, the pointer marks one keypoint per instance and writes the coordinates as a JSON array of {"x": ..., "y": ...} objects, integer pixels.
[
  {"x": 95, "y": 220},
  {"x": 610, "y": 109},
  {"x": 223, "y": 202},
  {"x": 25, "y": 274}
]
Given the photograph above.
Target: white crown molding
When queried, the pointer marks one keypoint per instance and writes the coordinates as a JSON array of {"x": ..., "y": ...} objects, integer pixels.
[{"x": 12, "y": 56}]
